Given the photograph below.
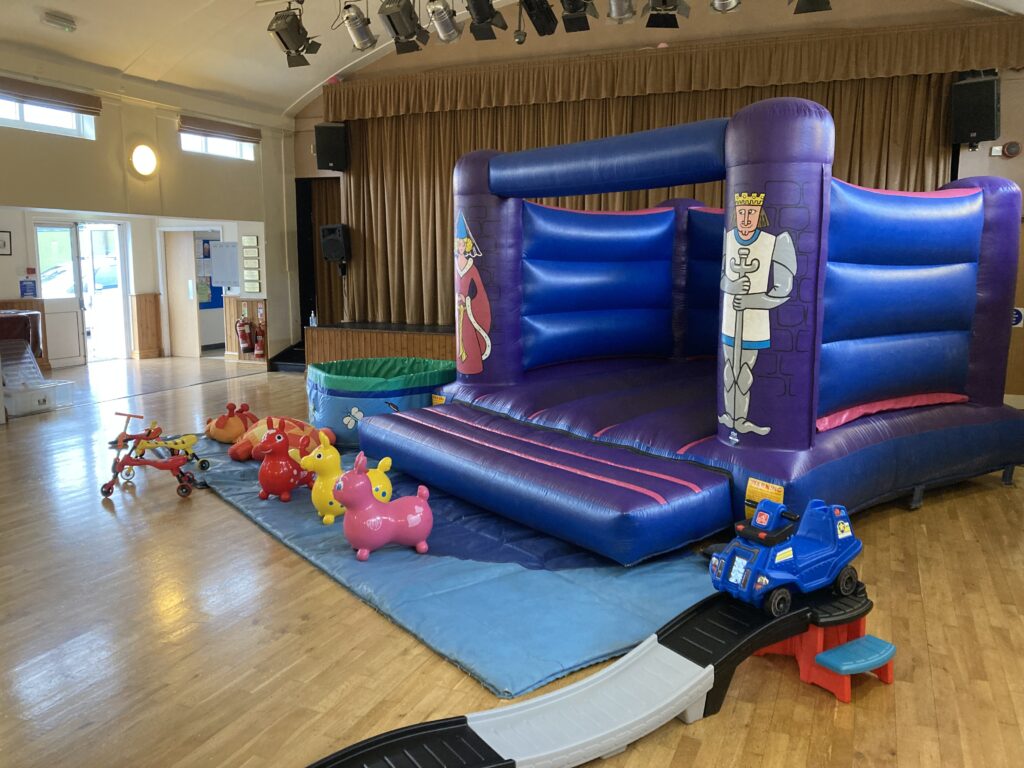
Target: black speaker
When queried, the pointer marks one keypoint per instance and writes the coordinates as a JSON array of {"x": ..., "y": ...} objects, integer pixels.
[
  {"x": 335, "y": 244},
  {"x": 331, "y": 146},
  {"x": 975, "y": 109}
]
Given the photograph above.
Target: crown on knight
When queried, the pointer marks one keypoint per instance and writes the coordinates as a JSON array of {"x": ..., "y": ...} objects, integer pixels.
[{"x": 747, "y": 198}]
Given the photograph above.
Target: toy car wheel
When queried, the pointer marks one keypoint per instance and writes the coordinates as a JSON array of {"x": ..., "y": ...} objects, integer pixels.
[
  {"x": 106, "y": 490},
  {"x": 128, "y": 473},
  {"x": 779, "y": 602},
  {"x": 204, "y": 464},
  {"x": 190, "y": 478},
  {"x": 184, "y": 489},
  {"x": 846, "y": 581}
]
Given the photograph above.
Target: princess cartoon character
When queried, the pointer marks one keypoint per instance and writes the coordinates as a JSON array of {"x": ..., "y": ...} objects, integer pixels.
[{"x": 472, "y": 309}]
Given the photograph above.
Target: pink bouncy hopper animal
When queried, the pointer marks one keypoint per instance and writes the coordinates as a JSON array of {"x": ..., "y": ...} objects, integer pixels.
[
  {"x": 371, "y": 523},
  {"x": 279, "y": 473}
]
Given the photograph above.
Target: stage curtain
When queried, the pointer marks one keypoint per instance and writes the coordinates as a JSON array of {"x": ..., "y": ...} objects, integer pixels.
[
  {"x": 699, "y": 66},
  {"x": 890, "y": 132}
]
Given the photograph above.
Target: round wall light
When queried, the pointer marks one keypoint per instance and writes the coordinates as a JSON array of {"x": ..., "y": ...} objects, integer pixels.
[{"x": 144, "y": 160}]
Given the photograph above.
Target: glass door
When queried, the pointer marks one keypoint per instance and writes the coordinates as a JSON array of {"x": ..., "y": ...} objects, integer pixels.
[
  {"x": 103, "y": 296},
  {"x": 61, "y": 291}
]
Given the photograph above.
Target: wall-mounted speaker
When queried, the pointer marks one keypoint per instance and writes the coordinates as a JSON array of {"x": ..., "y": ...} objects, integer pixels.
[
  {"x": 335, "y": 245},
  {"x": 331, "y": 146},
  {"x": 975, "y": 109}
]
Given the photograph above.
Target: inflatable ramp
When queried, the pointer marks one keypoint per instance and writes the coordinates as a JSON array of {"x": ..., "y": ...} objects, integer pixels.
[{"x": 683, "y": 671}]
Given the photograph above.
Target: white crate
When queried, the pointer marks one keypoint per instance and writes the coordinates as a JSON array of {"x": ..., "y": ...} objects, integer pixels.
[{"x": 47, "y": 396}]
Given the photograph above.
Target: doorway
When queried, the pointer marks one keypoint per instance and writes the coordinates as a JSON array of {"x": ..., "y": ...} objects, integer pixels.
[{"x": 82, "y": 279}]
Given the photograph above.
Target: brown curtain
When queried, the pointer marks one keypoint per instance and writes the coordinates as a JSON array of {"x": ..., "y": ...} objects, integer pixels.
[
  {"x": 890, "y": 132},
  {"x": 698, "y": 66},
  {"x": 330, "y": 288}
]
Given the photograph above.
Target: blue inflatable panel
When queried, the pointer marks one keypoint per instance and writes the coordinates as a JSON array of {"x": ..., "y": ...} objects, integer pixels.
[
  {"x": 705, "y": 232},
  {"x": 871, "y": 227},
  {"x": 883, "y": 456},
  {"x": 548, "y": 285},
  {"x": 624, "y": 505},
  {"x": 664, "y": 157},
  {"x": 559, "y": 234},
  {"x": 864, "y": 300},
  {"x": 596, "y": 284},
  {"x": 563, "y": 336},
  {"x": 883, "y": 367}
]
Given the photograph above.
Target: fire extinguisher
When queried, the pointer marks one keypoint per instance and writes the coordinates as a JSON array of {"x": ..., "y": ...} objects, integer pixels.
[
  {"x": 260, "y": 333},
  {"x": 244, "y": 330}
]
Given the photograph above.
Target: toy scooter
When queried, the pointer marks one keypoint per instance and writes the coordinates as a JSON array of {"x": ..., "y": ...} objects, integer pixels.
[{"x": 129, "y": 455}]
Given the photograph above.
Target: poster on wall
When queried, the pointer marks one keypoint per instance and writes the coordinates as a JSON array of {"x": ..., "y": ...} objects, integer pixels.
[{"x": 210, "y": 296}]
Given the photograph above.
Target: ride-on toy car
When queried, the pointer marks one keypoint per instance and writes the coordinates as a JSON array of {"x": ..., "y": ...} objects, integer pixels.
[{"x": 778, "y": 551}]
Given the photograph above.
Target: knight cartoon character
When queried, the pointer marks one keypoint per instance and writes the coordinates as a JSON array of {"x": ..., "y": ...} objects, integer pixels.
[
  {"x": 757, "y": 276},
  {"x": 472, "y": 309}
]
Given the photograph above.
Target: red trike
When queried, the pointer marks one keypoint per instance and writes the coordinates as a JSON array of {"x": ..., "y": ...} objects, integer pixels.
[{"x": 128, "y": 457}]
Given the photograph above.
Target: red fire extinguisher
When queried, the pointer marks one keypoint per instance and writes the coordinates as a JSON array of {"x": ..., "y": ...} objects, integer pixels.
[
  {"x": 244, "y": 330},
  {"x": 260, "y": 334}
]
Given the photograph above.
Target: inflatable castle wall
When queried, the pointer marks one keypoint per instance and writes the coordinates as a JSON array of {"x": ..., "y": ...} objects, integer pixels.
[{"x": 632, "y": 381}]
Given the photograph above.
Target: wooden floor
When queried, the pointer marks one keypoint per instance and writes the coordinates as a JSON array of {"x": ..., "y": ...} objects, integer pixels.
[{"x": 144, "y": 630}]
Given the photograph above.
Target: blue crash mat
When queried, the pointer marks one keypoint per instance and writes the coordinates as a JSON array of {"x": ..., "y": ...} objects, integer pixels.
[{"x": 514, "y": 608}]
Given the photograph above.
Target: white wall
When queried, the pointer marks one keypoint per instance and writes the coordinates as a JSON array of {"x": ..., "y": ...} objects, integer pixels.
[{"x": 43, "y": 171}]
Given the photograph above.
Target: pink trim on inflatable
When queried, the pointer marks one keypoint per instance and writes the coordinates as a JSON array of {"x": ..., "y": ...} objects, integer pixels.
[
  {"x": 956, "y": 192},
  {"x": 518, "y": 454},
  {"x": 688, "y": 446},
  {"x": 707, "y": 209},
  {"x": 604, "y": 429},
  {"x": 845, "y": 416},
  {"x": 650, "y": 473}
]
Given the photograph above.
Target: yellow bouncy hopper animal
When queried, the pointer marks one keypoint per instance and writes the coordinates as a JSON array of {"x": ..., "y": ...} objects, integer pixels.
[{"x": 325, "y": 462}]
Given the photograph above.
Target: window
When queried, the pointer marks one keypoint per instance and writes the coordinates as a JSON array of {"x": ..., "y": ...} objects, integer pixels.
[
  {"x": 33, "y": 117},
  {"x": 214, "y": 145}
]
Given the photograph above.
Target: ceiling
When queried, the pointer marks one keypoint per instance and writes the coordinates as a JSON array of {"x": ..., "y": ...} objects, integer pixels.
[{"x": 221, "y": 49}]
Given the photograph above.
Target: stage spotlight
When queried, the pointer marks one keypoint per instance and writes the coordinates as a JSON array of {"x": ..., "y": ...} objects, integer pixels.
[
  {"x": 725, "y": 6},
  {"x": 484, "y": 19},
  {"x": 661, "y": 14},
  {"x": 286, "y": 27},
  {"x": 621, "y": 11},
  {"x": 443, "y": 19},
  {"x": 541, "y": 16},
  {"x": 358, "y": 27},
  {"x": 574, "y": 15},
  {"x": 400, "y": 20},
  {"x": 811, "y": 6}
]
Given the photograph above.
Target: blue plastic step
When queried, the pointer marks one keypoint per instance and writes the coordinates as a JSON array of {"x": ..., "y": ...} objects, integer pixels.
[{"x": 861, "y": 655}]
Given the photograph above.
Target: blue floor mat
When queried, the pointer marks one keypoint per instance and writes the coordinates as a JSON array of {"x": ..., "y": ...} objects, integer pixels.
[{"x": 513, "y": 608}]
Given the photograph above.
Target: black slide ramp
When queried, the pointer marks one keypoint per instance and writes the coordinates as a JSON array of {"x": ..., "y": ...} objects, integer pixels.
[
  {"x": 449, "y": 743},
  {"x": 722, "y": 632}
]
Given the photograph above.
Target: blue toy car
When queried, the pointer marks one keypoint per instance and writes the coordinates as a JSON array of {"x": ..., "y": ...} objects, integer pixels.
[{"x": 777, "y": 551}]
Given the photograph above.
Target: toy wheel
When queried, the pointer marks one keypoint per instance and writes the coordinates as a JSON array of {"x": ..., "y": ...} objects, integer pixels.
[
  {"x": 128, "y": 473},
  {"x": 106, "y": 490},
  {"x": 184, "y": 489},
  {"x": 204, "y": 464},
  {"x": 779, "y": 602},
  {"x": 190, "y": 478},
  {"x": 846, "y": 581}
]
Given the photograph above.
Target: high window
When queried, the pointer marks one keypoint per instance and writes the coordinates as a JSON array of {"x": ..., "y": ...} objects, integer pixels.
[{"x": 36, "y": 117}]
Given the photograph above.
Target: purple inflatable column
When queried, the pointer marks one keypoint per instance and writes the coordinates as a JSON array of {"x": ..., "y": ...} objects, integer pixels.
[
  {"x": 488, "y": 282},
  {"x": 778, "y": 156},
  {"x": 997, "y": 277},
  {"x": 682, "y": 205}
]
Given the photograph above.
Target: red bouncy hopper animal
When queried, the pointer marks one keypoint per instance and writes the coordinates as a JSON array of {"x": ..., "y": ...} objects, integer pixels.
[
  {"x": 371, "y": 523},
  {"x": 279, "y": 474}
]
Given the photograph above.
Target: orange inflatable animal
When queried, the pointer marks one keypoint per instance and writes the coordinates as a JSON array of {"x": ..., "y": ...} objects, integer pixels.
[
  {"x": 293, "y": 429},
  {"x": 230, "y": 426}
]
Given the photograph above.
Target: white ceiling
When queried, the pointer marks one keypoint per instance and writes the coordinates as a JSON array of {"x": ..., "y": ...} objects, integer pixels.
[{"x": 221, "y": 49}]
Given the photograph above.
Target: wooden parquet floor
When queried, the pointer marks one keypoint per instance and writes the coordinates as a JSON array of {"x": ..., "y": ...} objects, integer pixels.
[{"x": 145, "y": 630}]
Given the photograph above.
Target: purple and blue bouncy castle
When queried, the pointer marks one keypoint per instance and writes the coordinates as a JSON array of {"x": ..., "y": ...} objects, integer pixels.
[{"x": 630, "y": 381}]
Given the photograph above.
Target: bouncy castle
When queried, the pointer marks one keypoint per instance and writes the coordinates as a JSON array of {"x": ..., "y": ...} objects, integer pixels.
[{"x": 630, "y": 381}]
